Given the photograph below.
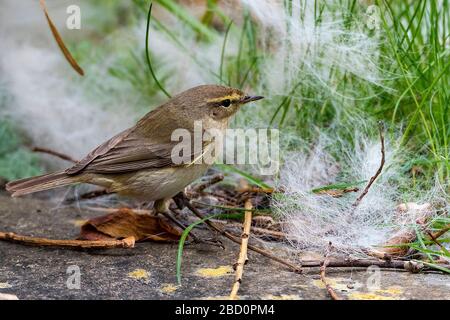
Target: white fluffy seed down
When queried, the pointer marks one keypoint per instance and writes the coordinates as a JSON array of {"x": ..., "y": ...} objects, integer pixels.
[{"x": 313, "y": 220}]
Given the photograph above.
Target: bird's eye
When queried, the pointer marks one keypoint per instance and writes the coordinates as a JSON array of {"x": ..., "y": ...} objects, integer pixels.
[{"x": 226, "y": 103}]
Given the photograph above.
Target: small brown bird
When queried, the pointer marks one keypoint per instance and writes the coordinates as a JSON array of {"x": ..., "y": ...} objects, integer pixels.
[{"x": 137, "y": 162}]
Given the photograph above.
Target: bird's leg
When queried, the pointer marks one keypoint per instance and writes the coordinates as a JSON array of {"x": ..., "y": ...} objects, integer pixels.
[
  {"x": 181, "y": 200},
  {"x": 162, "y": 206}
]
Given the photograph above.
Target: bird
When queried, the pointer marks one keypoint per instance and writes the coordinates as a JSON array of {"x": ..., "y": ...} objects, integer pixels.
[{"x": 138, "y": 162}]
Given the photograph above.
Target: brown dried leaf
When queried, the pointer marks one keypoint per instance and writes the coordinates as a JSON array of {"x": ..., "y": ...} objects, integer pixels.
[
  {"x": 60, "y": 42},
  {"x": 393, "y": 247},
  {"x": 126, "y": 223}
]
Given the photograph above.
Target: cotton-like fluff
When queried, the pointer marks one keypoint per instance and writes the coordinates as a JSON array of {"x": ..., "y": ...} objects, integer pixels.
[
  {"x": 47, "y": 102},
  {"x": 298, "y": 48},
  {"x": 313, "y": 220}
]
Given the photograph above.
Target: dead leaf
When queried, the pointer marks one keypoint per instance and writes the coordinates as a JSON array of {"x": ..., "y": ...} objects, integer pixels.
[
  {"x": 393, "y": 247},
  {"x": 60, "y": 42},
  {"x": 126, "y": 223}
]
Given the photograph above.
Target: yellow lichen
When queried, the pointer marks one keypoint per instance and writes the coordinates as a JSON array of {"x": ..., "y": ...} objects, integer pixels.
[
  {"x": 215, "y": 272},
  {"x": 393, "y": 291},
  {"x": 169, "y": 288},
  {"x": 139, "y": 274},
  {"x": 282, "y": 297},
  {"x": 217, "y": 298},
  {"x": 78, "y": 222},
  {"x": 337, "y": 284},
  {"x": 368, "y": 296},
  {"x": 5, "y": 285}
]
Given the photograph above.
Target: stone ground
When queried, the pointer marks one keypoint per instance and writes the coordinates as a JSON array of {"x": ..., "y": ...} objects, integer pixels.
[{"x": 148, "y": 270}]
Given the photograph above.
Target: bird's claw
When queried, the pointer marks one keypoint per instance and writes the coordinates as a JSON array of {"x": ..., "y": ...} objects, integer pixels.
[{"x": 180, "y": 200}]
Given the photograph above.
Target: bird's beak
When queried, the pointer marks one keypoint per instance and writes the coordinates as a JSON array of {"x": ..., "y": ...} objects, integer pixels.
[{"x": 248, "y": 99}]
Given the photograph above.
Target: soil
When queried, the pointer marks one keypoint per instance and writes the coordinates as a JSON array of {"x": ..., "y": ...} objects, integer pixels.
[{"x": 148, "y": 270}]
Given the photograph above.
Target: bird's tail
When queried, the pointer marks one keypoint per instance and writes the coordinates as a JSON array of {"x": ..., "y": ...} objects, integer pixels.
[{"x": 40, "y": 183}]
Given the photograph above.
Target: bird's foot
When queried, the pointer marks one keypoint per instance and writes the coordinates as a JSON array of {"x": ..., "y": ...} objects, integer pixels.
[{"x": 180, "y": 200}]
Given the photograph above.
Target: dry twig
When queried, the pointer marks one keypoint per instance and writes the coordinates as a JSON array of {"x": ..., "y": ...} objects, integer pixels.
[
  {"x": 380, "y": 168},
  {"x": 262, "y": 232},
  {"x": 435, "y": 240},
  {"x": 441, "y": 232},
  {"x": 54, "y": 153},
  {"x": 323, "y": 268},
  {"x": 243, "y": 258},
  {"x": 411, "y": 266},
  {"x": 199, "y": 188},
  {"x": 112, "y": 210},
  {"x": 98, "y": 244},
  {"x": 88, "y": 196}
]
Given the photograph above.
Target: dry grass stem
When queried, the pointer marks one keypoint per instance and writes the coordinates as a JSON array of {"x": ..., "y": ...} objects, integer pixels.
[
  {"x": 84, "y": 244},
  {"x": 243, "y": 258},
  {"x": 60, "y": 42}
]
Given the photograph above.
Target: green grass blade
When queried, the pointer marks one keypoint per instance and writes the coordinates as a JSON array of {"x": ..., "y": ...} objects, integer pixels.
[
  {"x": 147, "y": 54},
  {"x": 435, "y": 266},
  {"x": 196, "y": 25},
  {"x": 338, "y": 186},
  {"x": 222, "y": 55},
  {"x": 249, "y": 177},
  {"x": 186, "y": 232}
]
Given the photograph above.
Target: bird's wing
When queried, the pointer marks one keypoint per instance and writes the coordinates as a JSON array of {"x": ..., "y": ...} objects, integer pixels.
[
  {"x": 101, "y": 150},
  {"x": 126, "y": 152}
]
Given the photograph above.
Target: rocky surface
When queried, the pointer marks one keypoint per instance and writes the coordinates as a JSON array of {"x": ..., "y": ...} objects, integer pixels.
[{"x": 148, "y": 270}]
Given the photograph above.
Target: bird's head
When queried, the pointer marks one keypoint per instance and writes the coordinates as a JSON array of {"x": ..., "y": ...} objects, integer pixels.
[{"x": 211, "y": 101}]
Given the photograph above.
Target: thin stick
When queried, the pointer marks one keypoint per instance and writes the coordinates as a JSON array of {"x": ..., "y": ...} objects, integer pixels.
[
  {"x": 243, "y": 258},
  {"x": 44, "y": 242},
  {"x": 323, "y": 268},
  {"x": 88, "y": 195},
  {"x": 253, "y": 189},
  {"x": 60, "y": 42},
  {"x": 275, "y": 235},
  {"x": 435, "y": 240},
  {"x": 54, "y": 153},
  {"x": 237, "y": 240},
  {"x": 112, "y": 210},
  {"x": 208, "y": 183},
  {"x": 380, "y": 168},
  {"x": 441, "y": 232},
  {"x": 411, "y": 266}
]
